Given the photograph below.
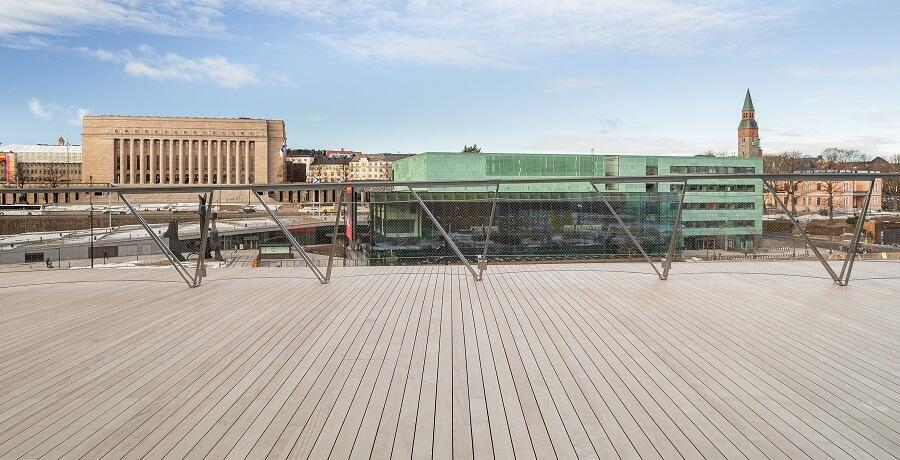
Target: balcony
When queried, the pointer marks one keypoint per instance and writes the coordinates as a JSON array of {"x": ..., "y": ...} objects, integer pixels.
[{"x": 726, "y": 357}]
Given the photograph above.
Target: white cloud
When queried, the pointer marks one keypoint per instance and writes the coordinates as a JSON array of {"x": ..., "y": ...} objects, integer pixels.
[
  {"x": 397, "y": 46},
  {"x": 561, "y": 85},
  {"x": 475, "y": 33},
  {"x": 50, "y": 110},
  {"x": 500, "y": 32},
  {"x": 39, "y": 109},
  {"x": 873, "y": 71},
  {"x": 64, "y": 17},
  {"x": 78, "y": 116},
  {"x": 148, "y": 63},
  {"x": 626, "y": 145}
]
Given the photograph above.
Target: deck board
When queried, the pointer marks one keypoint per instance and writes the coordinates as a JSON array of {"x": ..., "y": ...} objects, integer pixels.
[{"x": 537, "y": 361}]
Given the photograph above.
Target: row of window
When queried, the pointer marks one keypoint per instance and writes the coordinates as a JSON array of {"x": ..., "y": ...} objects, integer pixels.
[
  {"x": 822, "y": 201},
  {"x": 713, "y": 188},
  {"x": 718, "y": 223},
  {"x": 711, "y": 206},
  {"x": 825, "y": 186},
  {"x": 183, "y": 179},
  {"x": 182, "y": 163},
  {"x": 712, "y": 170}
]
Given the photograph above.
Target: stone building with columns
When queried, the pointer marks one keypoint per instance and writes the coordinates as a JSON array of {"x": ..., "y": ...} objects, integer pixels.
[{"x": 140, "y": 150}]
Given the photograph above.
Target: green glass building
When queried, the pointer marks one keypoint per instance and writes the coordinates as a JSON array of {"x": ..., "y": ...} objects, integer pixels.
[{"x": 723, "y": 214}]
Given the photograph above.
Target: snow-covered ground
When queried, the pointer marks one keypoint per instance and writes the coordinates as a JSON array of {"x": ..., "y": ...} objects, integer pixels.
[{"x": 837, "y": 215}]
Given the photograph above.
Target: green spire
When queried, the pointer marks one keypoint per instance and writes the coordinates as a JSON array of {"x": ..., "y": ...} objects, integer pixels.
[{"x": 748, "y": 101}]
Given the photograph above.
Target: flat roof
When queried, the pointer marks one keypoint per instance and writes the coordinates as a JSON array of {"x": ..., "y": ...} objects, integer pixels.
[
  {"x": 40, "y": 153},
  {"x": 722, "y": 360},
  {"x": 170, "y": 117}
]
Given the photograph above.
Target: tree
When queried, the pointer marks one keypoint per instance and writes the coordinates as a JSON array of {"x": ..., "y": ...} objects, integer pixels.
[
  {"x": 21, "y": 177},
  {"x": 474, "y": 148},
  {"x": 832, "y": 159},
  {"x": 387, "y": 170},
  {"x": 55, "y": 174},
  {"x": 890, "y": 188},
  {"x": 787, "y": 163}
]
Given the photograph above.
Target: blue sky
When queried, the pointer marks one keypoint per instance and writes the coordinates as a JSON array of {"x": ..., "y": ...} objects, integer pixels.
[{"x": 612, "y": 76}]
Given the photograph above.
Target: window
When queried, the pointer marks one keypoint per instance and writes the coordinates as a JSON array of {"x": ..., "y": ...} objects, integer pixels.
[
  {"x": 713, "y": 188},
  {"x": 714, "y": 206},
  {"x": 712, "y": 169},
  {"x": 718, "y": 223}
]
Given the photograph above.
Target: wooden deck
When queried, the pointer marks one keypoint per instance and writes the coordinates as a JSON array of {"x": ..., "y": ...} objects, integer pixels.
[{"x": 538, "y": 361}]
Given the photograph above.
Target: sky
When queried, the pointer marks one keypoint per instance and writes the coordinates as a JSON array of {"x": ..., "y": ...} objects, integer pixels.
[{"x": 603, "y": 76}]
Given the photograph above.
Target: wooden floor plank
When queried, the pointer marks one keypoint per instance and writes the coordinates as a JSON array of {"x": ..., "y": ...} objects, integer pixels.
[{"x": 536, "y": 361}]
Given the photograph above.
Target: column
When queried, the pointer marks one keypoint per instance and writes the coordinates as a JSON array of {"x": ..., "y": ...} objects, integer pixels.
[
  {"x": 132, "y": 157},
  {"x": 182, "y": 161},
  {"x": 190, "y": 161},
  {"x": 227, "y": 162},
  {"x": 246, "y": 161},
  {"x": 142, "y": 161},
  {"x": 219, "y": 161},
  {"x": 159, "y": 161},
  {"x": 154, "y": 160},
  {"x": 122, "y": 160},
  {"x": 171, "y": 162},
  {"x": 201, "y": 155},
  {"x": 208, "y": 169}
]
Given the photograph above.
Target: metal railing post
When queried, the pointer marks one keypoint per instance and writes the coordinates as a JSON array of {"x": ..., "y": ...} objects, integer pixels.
[
  {"x": 806, "y": 237},
  {"x": 487, "y": 234},
  {"x": 627, "y": 231},
  {"x": 337, "y": 221},
  {"x": 200, "y": 271},
  {"x": 185, "y": 275},
  {"x": 676, "y": 226},
  {"x": 291, "y": 239},
  {"x": 848, "y": 261},
  {"x": 447, "y": 238}
]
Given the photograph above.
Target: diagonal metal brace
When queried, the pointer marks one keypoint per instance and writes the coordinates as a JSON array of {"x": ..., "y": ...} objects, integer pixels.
[
  {"x": 487, "y": 234},
  {"x": 291, "y": 239},
  {"x": 676, "y": 226},
  {"x": 806, "y": 237},
  {"x": 205, "y": 213},
  {"x": 848, "y": 262},
  {"x": 334, "y": 238},
  {"x": 179, "y": 267},
  {"x": 627, "y": 231},
  {"x": 447, "y": 238}
]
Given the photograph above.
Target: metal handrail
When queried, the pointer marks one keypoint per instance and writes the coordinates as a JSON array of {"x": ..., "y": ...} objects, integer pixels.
[{"x": 679, "y": 178}]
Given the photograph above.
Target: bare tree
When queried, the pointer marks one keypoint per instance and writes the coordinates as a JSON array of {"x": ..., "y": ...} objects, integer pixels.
[
  {"x": 833, "y": 159},
  {"x": 787, "y": 163},
  {"x": 890, "y": 188},
  {"x": 22, "y": 177},
  {"x": 388, "y": 170},
  {"x": 55, "y": 174}
]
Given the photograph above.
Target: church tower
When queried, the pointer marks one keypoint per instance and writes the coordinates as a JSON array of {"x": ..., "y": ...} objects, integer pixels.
[{"x": 748, "y": 131}]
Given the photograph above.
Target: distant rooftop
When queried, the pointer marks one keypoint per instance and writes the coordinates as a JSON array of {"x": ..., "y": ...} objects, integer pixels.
[
  {"x": 43, "y": 153},
  {"x": 175, "y": 117}
]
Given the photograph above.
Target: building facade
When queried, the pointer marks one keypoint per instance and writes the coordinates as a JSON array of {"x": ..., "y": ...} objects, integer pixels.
[
  {"x": 558, "y": 218},
  {"x": 7, "y": 166},
  {"x": 329, "y": 169},
  {"x": 748, "y": 131},
  {"x": 821, "y": 196},
  {"x": 175, "y": 150},
  {"x": 377, "y": 166},
  {"x": 51, "y": 165}
]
